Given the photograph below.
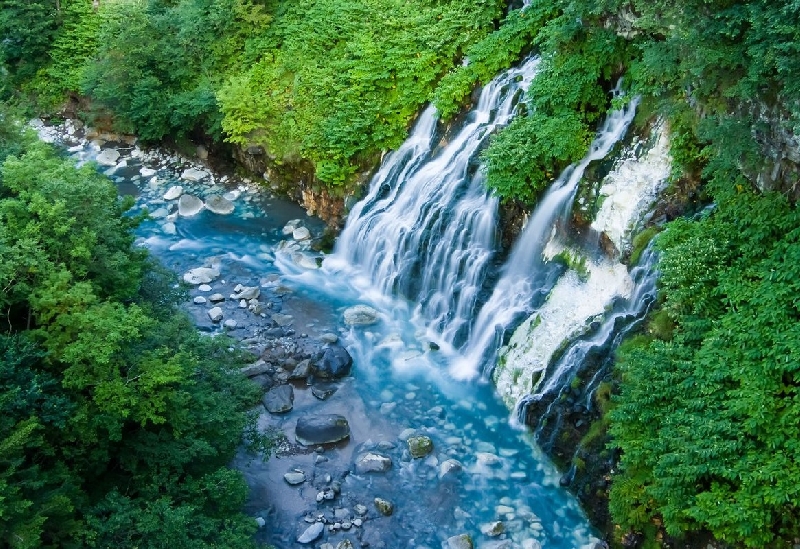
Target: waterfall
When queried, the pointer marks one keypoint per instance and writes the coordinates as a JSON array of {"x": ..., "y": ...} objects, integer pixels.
[
  {"x": 588, "y": 314},
  {"x": 523, "y": 275},
  {"x": 426, "y": 230}
]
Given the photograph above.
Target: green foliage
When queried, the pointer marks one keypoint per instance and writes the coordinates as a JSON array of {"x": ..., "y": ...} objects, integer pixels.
[
  {"x": 564, "y": 101},
  {"x": 339, "y": 81},
  {"x": 576, "y": 262},
  {"x": 159, "y": 63},
  {"x": 498, "y": 51},
  {"x": 117, "y": 419},
  {"x": 707, "y": 420},
  {"x": 69, "y": 54},
  {"x": 27, "y": 28}
]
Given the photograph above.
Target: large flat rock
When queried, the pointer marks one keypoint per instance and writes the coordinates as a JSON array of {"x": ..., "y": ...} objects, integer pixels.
[{"x": 321, "y": 429}]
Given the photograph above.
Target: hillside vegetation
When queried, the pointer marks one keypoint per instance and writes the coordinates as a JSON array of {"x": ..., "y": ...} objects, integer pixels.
[{"x": 117, "y": 419}]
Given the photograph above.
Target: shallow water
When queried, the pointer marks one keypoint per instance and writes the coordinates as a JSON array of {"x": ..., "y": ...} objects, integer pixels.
[{"x": 398, "y": 383}]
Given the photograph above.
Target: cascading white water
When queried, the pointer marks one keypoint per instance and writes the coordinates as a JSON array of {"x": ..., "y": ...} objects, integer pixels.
[
  {"x": 521, "y": 276},
  {"x": 426, "y": 230},
  {"x": 581, "y": 315}
]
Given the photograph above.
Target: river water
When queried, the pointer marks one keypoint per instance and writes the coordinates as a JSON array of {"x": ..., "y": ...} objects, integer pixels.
[{"x": 399, "y": 383}]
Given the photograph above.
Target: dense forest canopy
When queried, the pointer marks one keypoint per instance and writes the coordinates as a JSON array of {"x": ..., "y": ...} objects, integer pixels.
[
  {"x": 117, "y": 419},
  {"x": 707, "y": 411}
]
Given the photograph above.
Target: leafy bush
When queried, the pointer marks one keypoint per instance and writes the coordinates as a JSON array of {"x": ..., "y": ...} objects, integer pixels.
[
  {"x": 117, "y": 419},
  {"x": 706, "y": 420},
  {"x": 339, "y": 81}
]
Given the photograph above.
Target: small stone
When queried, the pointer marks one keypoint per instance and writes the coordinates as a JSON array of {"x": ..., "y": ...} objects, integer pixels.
[
  {"x": 385, "y": 507},
  {"x": 282, "y": 320},
  {"x": 204, "y": 288},
  {"x": 360, "y": 315},
  {"x": 242, "y": 304},
  {"x": 261, "y": 522},
  {"x": 230, "y": 324},
  {"x": 193, "y": 174},
  {"x": 293, "y": 478},
  {"x": 329, "y": 338},
  {"x": 301, "y": 233},
  {"x": 357, "y": 522},
  {"x": 199, "y": 300},
  {"x": 219, "y": 205},
  {"x": 419, "y": 446},
  {"x": 346, "y": 543},
  {"x": 215, "y": 314},
  {"x": 279, "y": 399},
  {"x": 170, "y": 228},
  {"x": 323, "y": 392},
  {"x": 173, "y": 192},
  {"x": 372, "y": 462},
  {"x": 189, "y": 205},
  {"x": 312, "y": 533},
  {"x": 322, "y": 429},
  {"x": 486, "y": 458},
  {"x": 461, "y": 541},
  {"x": 246, "y": 292},
  {"x": 201, "y": 275},
  {"x": 449, "y": 467},
  {"x": 360, "y": 509},
  {"x": 216, "y": 298},
  {"x": 493, "y": 529},
  {"x": 405, "y": 434},
  {"x": 108, "y": 157}
]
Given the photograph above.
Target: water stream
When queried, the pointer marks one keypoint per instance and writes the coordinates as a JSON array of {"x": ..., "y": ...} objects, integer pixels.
[{"x": 418, "y": 248}]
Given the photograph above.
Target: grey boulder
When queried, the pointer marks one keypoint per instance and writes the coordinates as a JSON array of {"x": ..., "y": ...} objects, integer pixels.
[
  {"x": 321, "y": 429},
  {"x": 335, "y": 362},
  {"x": 279, "y": 400}
]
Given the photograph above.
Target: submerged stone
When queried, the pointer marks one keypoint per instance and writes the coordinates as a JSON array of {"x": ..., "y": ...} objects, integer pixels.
[
  {"x": 219, "y": 205},
  {"x": 360, "y": 315},
  {"x": 372, "y": 462},
  {"x": 461, "y": 541},
  {"x": 321, "y": 429},
  {"x": 419, "y": 446},
  {"x": 312, "y": 533},
  {"x": 279, "y": 400},
  {"x": 385, "y": 507},
  {"x": 173, "y": 192},
  {"x": 189, "y": 205}
]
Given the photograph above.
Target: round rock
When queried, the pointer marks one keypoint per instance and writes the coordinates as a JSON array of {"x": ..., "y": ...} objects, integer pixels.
[
  {"x": 335, "y": 362},
  {"x": 461, "y": 541},
  {"x": 384, "y": 507},
  {"x": 108, "y": 157},
  {"x": 279, "y": 400},
  {"x": 189, "y": 205},
  {"x": 293, "y": 478},
  {"x": 373, "y": 462},
  {"x": 321, "y": 429},
  {"x": 360, "y": 315},
  {"x": 219, "y": 204},
  {"x": 312, "y": 533},
  {"x": 173, "y": 192},
  {"x": 200, "y": 275},
  {"x": 419, "y": 446},
  {"x": 215, "y": 314},
  {"x": 301, "y": 233}
]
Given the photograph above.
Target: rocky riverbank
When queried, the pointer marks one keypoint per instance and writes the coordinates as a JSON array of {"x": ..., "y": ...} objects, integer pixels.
[{"x": 390, "y": 454}]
